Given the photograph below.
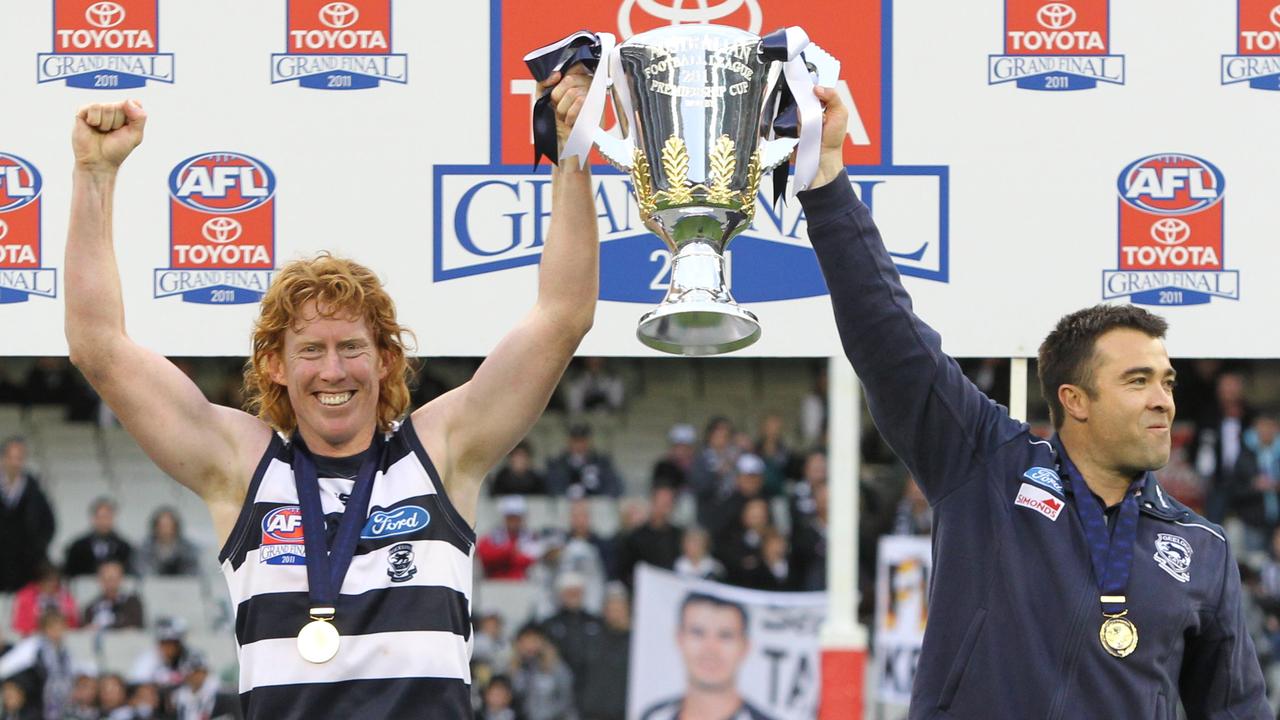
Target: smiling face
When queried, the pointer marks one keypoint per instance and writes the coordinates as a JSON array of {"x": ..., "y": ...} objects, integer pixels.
[
  {"x": 332, "y": 369},
  {"x": 1128, "y": 409},
  {"x": 713, "y": 641}
]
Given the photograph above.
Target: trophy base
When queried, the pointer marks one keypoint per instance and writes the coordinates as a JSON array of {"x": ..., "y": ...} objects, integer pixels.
[{"x": 698, "y": 328}]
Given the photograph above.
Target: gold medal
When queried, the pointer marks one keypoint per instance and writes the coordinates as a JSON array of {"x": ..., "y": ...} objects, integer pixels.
[
  {"x": 318, "y": 641},
  {"x": 1119, "y": 636}
]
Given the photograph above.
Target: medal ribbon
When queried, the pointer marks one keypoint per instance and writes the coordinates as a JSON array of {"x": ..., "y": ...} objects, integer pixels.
[
  {"x": 327, "y": 566},
  {"x": 1110, "y": 552}
]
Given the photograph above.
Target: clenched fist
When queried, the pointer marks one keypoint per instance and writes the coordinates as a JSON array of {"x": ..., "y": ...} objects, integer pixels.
[
  {"x": 105, "y": 134},
  {"x": 568, "y": 93}
]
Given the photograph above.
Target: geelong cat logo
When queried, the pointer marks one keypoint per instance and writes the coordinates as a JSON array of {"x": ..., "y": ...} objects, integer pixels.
[
  {"x": 21, "y": 274},
  {"x": 342, "y": 45},
  {"x": 1056, "y": 45},
  {"x": 221, "y": 230},
  {"x": 1171, "y": 240},
  {"x": 105, "y": 45}
]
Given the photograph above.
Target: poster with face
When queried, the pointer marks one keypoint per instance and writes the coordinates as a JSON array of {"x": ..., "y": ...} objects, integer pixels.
[{"x": 701, "y": 649}]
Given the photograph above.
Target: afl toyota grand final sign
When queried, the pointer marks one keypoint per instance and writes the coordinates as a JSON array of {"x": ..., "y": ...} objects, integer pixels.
[{"x": 493, "y": 217}]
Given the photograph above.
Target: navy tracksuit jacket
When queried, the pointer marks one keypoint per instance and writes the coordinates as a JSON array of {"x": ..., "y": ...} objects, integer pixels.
[{"x": 1014, "y": 614}]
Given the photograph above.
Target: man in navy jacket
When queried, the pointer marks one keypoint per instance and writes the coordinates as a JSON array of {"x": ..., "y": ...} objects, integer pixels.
[{"x": 1067, "y": 584}]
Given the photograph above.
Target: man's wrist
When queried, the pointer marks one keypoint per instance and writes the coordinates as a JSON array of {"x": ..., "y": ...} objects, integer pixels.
[{"x": 829, "y": 168}]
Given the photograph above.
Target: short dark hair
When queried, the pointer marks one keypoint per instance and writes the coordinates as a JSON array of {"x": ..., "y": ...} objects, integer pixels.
[
  {"x": 700, "y": 598},
  {"x": 1066, "y": 355}
]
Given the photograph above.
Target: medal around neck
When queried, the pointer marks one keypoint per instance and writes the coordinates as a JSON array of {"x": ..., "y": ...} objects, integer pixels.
[
  {"x": 1119, "y": 636},
  {"x": 318, "y": 641}
]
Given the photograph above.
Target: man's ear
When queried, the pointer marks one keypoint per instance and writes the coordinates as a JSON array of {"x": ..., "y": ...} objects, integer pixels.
[
  {"x": 1075, "y": 402},
  {"x": 384, "y": 362},
  {"x": 275, "y": 368}
]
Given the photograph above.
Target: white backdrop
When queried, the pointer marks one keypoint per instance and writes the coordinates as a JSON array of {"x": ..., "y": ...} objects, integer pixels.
[{"x": 1008, "y": 195}]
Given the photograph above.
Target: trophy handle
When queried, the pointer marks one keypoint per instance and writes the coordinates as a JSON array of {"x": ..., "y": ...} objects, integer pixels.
[{"x": 827, "y": 71}]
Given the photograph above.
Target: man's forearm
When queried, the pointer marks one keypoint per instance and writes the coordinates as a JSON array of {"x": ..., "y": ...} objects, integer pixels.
[
  {"x": 569, "y": 278},
  {"x": 95, "y": 309}
]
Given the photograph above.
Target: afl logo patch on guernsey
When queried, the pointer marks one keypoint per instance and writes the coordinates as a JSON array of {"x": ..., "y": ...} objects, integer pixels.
[
  {"x": 401, "y": 521},
  {"x": 282, "y": 538}
]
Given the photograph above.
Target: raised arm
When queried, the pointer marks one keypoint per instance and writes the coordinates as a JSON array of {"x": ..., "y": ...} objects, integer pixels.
[
  {"x": 469, "y": 429},
  {"x": 929, "y": 413},
  {"x": 208, "y": 448}
]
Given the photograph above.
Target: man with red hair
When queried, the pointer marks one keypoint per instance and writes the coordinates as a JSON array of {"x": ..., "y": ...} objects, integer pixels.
[{"x": 347, "y": 519}]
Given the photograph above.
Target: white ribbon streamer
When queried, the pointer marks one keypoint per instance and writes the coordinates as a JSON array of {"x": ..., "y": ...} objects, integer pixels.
[
  {"x": 583, "y": 132},
  {"x": 808, "y": 109}
]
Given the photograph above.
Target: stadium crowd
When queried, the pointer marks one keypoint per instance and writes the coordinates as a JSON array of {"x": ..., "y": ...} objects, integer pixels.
[{"x": 742, "y": 505}]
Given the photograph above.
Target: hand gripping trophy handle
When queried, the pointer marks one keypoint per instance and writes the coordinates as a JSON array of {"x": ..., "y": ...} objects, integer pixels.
[{"x": 703, "y": 112}]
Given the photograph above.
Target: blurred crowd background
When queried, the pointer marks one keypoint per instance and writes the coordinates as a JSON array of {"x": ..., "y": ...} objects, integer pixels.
[{"x": 112, "y": 605}]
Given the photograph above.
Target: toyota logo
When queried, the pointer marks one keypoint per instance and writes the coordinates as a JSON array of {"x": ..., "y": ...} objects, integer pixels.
[
  {"x": 674, "y": 12},
  {"x": 221, "y": 230},
  {"x": 1170, "y": 231},
  {"x": 1056, "y": 16},
  {"x": 339, "y": 15},
  {"x": 4, "y": 229},
  {"x": 104, "y": 14},
  {"x": 1275, "y": 16}
]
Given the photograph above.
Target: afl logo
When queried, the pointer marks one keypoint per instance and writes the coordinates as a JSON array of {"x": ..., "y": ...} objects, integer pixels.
[
  {"x": 20, "y": 183},
  {"x": 222, "y": 182},
  {"x": 104, "y": 15},
  {"x": 1171, "y": 184},
  {"x": 283, "y": 525}
]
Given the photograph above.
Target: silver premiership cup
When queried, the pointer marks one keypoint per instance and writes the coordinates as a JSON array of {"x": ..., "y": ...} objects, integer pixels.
[{"x": 690, "y": 101}]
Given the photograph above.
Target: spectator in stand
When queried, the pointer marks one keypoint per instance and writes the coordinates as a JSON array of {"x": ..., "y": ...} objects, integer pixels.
[
  {"x": 773, "y": 571},
  {"x": 594, "y": 389},
  {"x": 51, "y": 381},
  {"x": 740, "y": 548},
  {"x": 580, "y": 552},
  {"x": 581, "y": 469},
  {"x": 672, "y": 470},
  {"x": 491, "y": 646},
  {"x": 812, "y": 474},
  {"x": 15, "y": 701},
  {"x": 913, "y": 516},
  {"x": 146, "y": 703},
  {"x": 772, "y": 448},
  {"x": 1256, "y": 481},
  {"x": 162, "y": 663},
  {"x": 44, "y": 593},
  {"x": 543, "y": 683},
  {"x": 100, "y": 544},
  {"x": 113, "y": 609},
  {"x": 748, "y": 484},
  {"x": 44, "y": 664},
  {"x": 712, "y": 476},
  {"x": 572, "y": 629},
  {"x": 1219, "y": 438},
  {"x": 507, "y": 552},
  {"x": 199, "y": 696},
  {"x": 26, "y": 519},
  {"x": 113, "y": 698},
  {"x": 695, "y": 560},
  {"x": 813, "y": 413},
  {"x": 656, "y": 542},
  {"x": 499, "y": 701},
  {"x": 603, "y": 684},
  {"x": 83, "y": 704},
  {"x": 166, "y": 551},
  {"x": 517, "y": 476},
  {"x": 809, "y": 545}
]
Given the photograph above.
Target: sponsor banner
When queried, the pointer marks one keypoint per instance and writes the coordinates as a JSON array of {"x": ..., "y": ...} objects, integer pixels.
[
  {"x": 1257, "y": 57},
  {"x": 221, "y": 230},
  {"x": 1171, "y": 234},
  {"x": 903, "y": 567},
  {"x": 21, "y": 273},
  {"x": 105, "y": 45},
  {"x": 344, "y": 45},
  {"x": 1056, "y": 46},
  {"x": 760, "y": 647}
]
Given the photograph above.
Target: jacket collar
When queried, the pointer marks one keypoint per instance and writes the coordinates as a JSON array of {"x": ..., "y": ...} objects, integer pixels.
[{"x": 1152, "y": 499}]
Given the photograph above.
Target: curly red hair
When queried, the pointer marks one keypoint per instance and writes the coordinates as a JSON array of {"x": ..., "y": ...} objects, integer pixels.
[{"x": 338, "y": 286}]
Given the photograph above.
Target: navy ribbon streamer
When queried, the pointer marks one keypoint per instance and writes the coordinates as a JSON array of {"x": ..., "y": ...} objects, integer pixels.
[
  {"x": 1110, "y": 552},
  {"x": 327, "y": 566},
  {"x": 781, "y": 118},
  {"x": 581, "y": 47}
]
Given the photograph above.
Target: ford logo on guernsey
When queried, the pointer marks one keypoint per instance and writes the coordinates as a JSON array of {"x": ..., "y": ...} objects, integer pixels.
[
  {"x": 401, "y": 521},
  {"x": 338, "y": 45},
  {"x": 492, "y": 217},
  {"x": 105, "y": 45},
  {"x": 221, "y": 230},
  {"x": 21, "y": 274},
  {"x": 1257, "y": 56},
  {"x": 1056, "y": 45},
  {"x": 1172, "y": 250}
]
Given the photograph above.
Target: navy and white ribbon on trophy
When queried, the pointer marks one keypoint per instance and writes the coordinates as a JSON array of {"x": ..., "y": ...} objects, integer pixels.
[
  {"x": 581, "y": 47},
  {"x": 797, "y": 112}
]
